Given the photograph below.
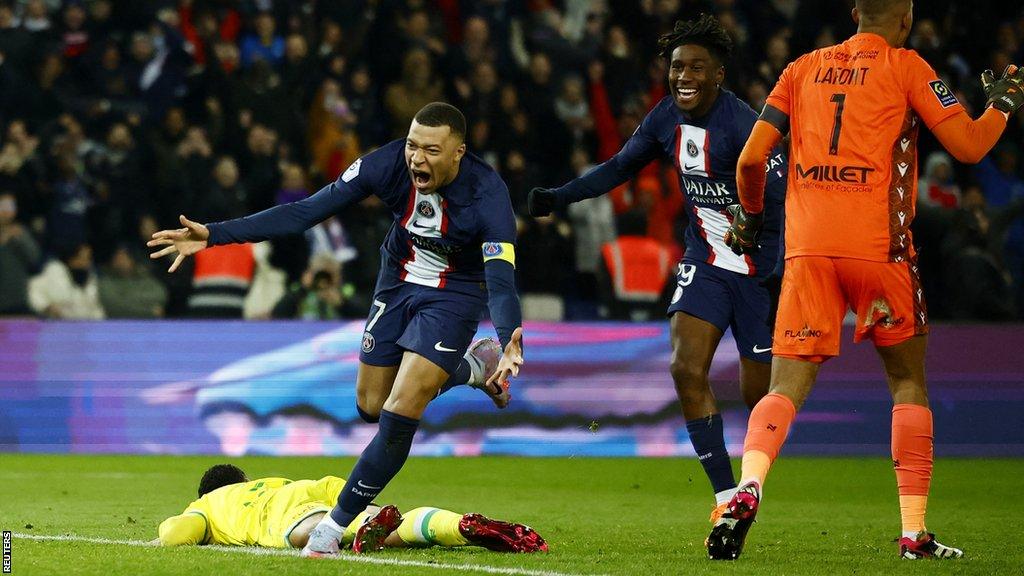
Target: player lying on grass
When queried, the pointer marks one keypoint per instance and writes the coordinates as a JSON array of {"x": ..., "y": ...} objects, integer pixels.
[{"x": 279, "y": 513}]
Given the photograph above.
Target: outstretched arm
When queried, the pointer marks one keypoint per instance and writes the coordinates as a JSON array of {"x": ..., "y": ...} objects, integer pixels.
[
  {"x": 278, "y": 221},
  {"x": 292, "y": 218},
  {"x": 967, "y": 140},
  {"x": 641, "y": 148},
  {"x": 183, "y": 530},
  {"x": 970, "y": 140}
]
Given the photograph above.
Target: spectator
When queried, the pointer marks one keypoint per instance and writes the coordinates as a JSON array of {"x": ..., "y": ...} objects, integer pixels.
[
  {"x": 15, "y": 42},
  {"x": 19, "y": 257},
  {"x": 634, "y": 272},
  {"x": 226, "y": 197},
  {"x": 332, "y": 140},
  {"x": 264, "y": 44},
  {"x": 128, "y": 290},
  {"x": 978, "y": 286},
  {"x": 221, "y": 280},
  {"x": 572, "y": 109},
  {"x": 593, "y": 222},
  {"x": 36, "y": 18},
  {"x": 937, "y": 187},
  {"x": 66, "y": 222},
  {"x": 66, "y": 289},
  {"x": 549, "y": 242},
  {"x": 416, "y": 88},
  {"x": 321, "y": 295},
  {"x": 178, "y": 286}
]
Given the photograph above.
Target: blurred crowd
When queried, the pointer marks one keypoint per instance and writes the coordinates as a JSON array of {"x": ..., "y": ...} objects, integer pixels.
[{"x": 116, "y": 116}]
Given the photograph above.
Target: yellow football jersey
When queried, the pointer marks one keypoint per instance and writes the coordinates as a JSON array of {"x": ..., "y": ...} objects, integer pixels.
[{"x": 257, "y": 513}]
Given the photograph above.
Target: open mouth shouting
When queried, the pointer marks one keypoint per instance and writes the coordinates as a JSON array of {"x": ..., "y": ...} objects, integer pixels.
[{"x": 420, "y": 178}]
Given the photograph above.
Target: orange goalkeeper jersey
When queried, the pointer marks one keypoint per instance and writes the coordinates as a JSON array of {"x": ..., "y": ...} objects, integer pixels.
[{"x": 854, "y": 111}]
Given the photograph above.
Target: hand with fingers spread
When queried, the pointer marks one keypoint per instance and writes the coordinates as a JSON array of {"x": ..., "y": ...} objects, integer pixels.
[
  {"x": 510, "y": 362},
  {"x": 1007, "y": 93},
  {"x": 182, "y": 241}
]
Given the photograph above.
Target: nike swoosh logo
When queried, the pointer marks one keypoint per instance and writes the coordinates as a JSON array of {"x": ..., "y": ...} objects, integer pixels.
[
  {"x": 694, "y": 167},
  {"x": 419, "y": 226},
  {"x": 361, "y": 485},
  {"x": 760, "y": 350},
  {"x": 440, "y": 348}
]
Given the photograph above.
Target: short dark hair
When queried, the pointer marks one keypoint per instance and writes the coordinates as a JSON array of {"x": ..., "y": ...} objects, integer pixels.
[
  {"x": 443, "y": 114},
  {"x": 705, "y": 31},
  {"x": 881, "y": 8},
  {"x": 219, "y": 476}
]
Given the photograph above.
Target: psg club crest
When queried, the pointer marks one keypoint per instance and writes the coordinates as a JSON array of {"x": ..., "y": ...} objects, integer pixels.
[
  {"x": 425, "y": 209},
  {"x": 368, "y": 342},
  {"x": 492, "y": 249},
  {"x": 691, "y": 149}
]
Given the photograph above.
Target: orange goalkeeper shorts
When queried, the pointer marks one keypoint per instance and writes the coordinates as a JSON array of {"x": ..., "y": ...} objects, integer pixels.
[{"x": 818, "y": 290}]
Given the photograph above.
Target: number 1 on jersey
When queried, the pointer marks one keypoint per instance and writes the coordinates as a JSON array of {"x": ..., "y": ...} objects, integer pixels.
[{"x": 837, "y": 125}]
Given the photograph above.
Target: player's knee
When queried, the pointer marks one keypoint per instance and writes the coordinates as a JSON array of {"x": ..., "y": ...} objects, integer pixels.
[
  {"x": 365, "y": 413},
  {"x": 368, "y": 404},
  {"x": 686, "y": 375}
]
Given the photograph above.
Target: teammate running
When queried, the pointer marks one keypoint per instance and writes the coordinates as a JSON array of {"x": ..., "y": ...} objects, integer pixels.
[
  {"x": 279, "y": 513},
  {"x": 853, "y": 111},
  {"x": 453, "y": 232},
  {"x": 701, "y": 128}
]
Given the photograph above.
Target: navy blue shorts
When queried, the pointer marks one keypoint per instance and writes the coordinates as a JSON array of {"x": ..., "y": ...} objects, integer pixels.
[
  {"x": 434, "y": 323},
  {"x": 726, "y": 299}
]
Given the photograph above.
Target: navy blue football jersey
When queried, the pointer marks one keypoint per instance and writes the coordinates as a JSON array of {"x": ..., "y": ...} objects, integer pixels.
[
  {"x": 436, "y": 240},
  {"x": 704, "y": 151}
]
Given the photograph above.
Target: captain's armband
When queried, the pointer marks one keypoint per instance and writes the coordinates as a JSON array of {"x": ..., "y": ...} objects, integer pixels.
[{"x": 500, "y": 251}]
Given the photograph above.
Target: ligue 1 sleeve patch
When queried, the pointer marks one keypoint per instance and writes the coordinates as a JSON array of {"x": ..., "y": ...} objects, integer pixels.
[
  {"x": 352, "y": 171},
  {"x": 943, "y": 93}
]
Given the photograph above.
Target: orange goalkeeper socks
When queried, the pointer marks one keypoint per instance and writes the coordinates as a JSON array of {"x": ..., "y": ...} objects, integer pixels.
[
  {"x": 767, "y": 429},
  {"x": 912, "y": 459}
]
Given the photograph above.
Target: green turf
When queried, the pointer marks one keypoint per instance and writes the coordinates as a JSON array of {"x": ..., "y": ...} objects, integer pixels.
[{"x": 600, "y": 516}]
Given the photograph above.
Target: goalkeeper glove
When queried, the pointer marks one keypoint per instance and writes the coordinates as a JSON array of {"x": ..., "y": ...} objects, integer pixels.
[
  {"x": 1007, "y": 93},
  {"x": 743, "y": 232},
  {"x": 540, "y": 202}
]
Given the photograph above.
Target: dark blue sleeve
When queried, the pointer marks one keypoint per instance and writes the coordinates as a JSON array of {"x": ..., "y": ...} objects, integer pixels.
[
  {"x": 502, "y": 299},
  {"x": 641, "y": 148},
  {"x": 498, "y": 226},
  {"x": 354, "y": 185}
]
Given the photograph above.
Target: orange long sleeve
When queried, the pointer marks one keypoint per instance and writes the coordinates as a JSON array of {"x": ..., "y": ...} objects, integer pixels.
[
  {"x": 750, "y": 169},
  {"x": 970, "y": 140}
]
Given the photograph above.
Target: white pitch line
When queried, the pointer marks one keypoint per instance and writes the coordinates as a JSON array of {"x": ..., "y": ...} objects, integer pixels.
[{"x": 294, "y": 553}]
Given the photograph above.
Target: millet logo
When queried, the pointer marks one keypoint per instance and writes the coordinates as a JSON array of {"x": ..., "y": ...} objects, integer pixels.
[
  {"x": 802, "y": 334},
  {"x": 830, "y": 173},
  {"x": 772, "y": 427}
]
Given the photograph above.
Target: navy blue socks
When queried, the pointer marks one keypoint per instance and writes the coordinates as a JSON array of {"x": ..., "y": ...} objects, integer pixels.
[
  {"x": 379, "y": 463},
  {"x": 708, "y": 438}
]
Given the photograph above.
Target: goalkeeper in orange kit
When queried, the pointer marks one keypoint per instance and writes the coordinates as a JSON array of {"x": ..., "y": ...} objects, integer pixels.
[{"x": 853, "y": 111}]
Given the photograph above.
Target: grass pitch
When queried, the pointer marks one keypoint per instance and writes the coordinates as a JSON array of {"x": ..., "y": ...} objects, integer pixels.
[{"x": 600, "y": 516}]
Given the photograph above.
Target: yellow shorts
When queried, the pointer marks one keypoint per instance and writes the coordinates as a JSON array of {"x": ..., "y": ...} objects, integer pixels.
[{"x": 293, "y": 504}]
